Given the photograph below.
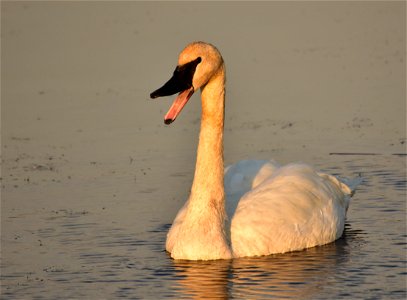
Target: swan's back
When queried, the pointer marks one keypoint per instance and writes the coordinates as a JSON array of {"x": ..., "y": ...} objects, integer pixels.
[
  {"x": 243, "y": 177},
  {"x": 293, "y": 209}
]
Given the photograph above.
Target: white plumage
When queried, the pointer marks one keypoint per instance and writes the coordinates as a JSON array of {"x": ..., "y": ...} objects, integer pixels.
[
  {"x": 253, "y": 207},
  {"x": 293, "y": 208}
]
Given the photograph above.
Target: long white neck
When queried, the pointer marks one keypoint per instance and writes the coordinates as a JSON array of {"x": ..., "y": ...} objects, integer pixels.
[
  {"x": 207, "y": 187},
  {"x": 202, "y": 234}
]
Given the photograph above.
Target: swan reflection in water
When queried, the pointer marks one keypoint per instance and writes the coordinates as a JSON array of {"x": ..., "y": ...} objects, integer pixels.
[{"x": 295, "y": 275}]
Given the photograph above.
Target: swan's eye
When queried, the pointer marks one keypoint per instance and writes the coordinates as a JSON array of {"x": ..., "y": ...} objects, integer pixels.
[
  {"x": 188, "y": 67},
  {"x": 180, "y": 81},
  {"x": 185, "y": 73}
]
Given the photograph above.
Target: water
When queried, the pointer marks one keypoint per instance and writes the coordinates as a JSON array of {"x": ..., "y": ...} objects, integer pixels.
[
  {"x": 91, "y": 253},
  {"x": 91, "y": 178}
]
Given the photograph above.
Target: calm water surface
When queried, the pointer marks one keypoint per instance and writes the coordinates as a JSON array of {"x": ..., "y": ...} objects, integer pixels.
[{"x": 114, "y": 248}]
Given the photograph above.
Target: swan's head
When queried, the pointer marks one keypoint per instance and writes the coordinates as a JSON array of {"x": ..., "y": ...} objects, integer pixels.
[{"x": 197, "y": 64}]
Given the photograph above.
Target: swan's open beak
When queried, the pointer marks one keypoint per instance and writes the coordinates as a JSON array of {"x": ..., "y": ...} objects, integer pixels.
[{"x": 180, "y": 82}]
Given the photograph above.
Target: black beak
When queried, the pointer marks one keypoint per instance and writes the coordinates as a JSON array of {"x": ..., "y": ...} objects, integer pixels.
[{"x": 180, "y": 81}]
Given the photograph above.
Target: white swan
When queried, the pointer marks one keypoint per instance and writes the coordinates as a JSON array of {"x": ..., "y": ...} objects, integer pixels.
[{"x": 268, "y": 208}]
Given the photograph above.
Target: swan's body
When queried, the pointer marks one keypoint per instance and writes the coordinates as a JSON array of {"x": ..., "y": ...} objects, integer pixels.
[{"x": 253, "y": 207}]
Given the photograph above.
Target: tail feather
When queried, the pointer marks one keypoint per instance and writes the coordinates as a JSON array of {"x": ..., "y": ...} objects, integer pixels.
[{"x": 352, "y": 183}]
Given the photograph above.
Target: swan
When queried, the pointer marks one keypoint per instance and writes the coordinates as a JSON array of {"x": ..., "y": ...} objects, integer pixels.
[{"x": 251, "y": 208}]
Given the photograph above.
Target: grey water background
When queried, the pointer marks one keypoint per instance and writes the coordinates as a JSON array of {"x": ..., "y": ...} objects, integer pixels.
[{"x": 91, "y": 178}]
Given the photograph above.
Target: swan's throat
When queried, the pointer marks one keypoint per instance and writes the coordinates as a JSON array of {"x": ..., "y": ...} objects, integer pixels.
[{"x": 207, "y": 186}]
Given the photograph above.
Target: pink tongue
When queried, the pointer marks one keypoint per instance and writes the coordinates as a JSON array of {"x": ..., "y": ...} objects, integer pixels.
[{"x": 177, "y": 105}]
